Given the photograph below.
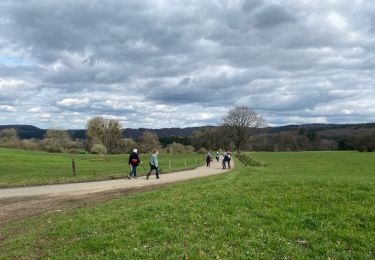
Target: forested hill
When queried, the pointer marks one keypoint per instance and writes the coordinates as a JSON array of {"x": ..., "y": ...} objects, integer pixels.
[
  {"x": 163, "y": 132},
  {"x": 28, "y": 131},
  {"x": 329, "y": 130}
]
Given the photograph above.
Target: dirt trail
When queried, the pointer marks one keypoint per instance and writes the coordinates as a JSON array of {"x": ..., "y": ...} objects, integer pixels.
[{"x": 17, "y": 203}]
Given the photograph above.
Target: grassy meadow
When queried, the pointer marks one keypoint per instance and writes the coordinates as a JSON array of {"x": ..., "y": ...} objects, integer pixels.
[
  {"x": 299, "y": 206},
  {"x": 19, "y": 167}
]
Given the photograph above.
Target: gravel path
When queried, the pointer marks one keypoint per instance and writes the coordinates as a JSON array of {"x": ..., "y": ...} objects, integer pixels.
[
  {"x": 21, "y": 203},
  {"x": 99, "y": 186}
]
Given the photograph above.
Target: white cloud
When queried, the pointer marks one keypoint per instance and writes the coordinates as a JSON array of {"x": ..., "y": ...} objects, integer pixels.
[
  {"x": 73, "y": 102},
  {"x": 9, "y": 84},
  {"x": 337, "y": 21},
  {"x": 45, "y": 115},
  {"x": 7, "y": 108},
  {"x": 35, "y": 110}
]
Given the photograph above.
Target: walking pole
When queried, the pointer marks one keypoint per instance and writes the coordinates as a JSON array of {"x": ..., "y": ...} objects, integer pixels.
[{"x": 144, "y": 169}]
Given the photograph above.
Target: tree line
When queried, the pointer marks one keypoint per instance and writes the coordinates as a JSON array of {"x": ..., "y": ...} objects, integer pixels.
[
  {"x": 238, "y": 131},
  {"x": 103, "y": 136},
  {"x": 213, "y": 138}
]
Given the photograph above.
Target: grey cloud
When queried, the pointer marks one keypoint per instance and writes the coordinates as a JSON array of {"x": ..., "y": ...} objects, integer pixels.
[
  {"x": 291, "y": 61},
  {"x": 249, "y": 6},
  {"x": 273, "y": 15}
]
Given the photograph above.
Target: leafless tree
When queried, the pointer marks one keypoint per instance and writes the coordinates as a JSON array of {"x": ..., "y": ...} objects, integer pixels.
[
  {"x": 56, "y": 141},
  {"x": 9, "y": 138},
  {"x": 149, "y": 141},
  {"x": 104, "y": 131},
  {"x": 239, "y": 124},
  {"x": 211, "y": 138}
]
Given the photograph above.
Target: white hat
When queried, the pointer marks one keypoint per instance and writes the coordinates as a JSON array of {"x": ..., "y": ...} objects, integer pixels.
[{"x": 135, "y": 150}]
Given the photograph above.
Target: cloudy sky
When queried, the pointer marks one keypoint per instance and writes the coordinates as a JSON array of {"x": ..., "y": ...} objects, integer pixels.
[{"x": 156, "y": 63}]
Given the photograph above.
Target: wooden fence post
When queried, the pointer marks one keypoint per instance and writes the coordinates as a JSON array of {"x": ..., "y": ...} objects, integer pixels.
[{"x": 74, "y": 167}]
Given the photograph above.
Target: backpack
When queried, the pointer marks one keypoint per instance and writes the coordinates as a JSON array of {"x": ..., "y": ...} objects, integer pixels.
[{"x": 134, "y": 161}]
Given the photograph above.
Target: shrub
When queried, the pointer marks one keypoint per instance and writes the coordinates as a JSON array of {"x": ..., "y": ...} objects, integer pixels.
[
  {"x": 202, "y": 150},
  {"x": 98, "y": 149},
  {"x": 73, "y": 151},
  {"x": 125, "y": 146},
  {"x": 247, "y": 161},
  {"x": 189, "y": 149},
  {"x": 175, "y": 148},
  {"x": 9, "y": 138},
  {"x": 31, "y": 145},
  {"x": 56, "y": 141},
  {"x": 148, "y": 142}
]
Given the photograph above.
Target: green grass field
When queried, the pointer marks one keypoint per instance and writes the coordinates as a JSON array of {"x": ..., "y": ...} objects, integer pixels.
[
  {"x": 301, "y": 205},
  {"x": 18, "y": 168}
]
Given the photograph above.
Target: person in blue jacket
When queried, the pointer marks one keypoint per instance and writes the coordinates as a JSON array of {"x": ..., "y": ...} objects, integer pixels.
[{"x": 154, "y": 164}]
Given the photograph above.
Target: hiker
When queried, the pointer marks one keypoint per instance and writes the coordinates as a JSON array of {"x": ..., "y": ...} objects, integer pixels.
[
  {"x": 208, "y": 159},
  {"x": 217, "y": 156},
  {"x": 225, "y": 159},
  {"x": 134, "y": 161},
  {"x": 154, "y": 164},
  {"x": 229, "y": 155}
]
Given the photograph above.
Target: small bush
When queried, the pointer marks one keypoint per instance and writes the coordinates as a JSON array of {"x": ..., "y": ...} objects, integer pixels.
[
  {"x": 202, "y": 150},
  {"x": 189, "y": 149},
  {"x": 247, "y": 161},
  {"x": 98, "y": 149},
  {"x": 31, "y": 145},
  {"x": 175, "y": 148},
  {"x": 73, "y": 151}
]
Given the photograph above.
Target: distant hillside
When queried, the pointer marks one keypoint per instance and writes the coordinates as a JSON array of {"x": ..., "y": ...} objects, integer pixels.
[
  {"x": 163, "y": 132},
  {"x": 316, "y": 127},
  {"x": 28, "y": 132},
  {"x": 329, "y": 131}
]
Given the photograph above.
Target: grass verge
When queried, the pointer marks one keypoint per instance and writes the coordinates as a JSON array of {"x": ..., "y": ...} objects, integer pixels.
[
  {"x": 302, "y": 205},
  {"x": 24, "y": 168}
]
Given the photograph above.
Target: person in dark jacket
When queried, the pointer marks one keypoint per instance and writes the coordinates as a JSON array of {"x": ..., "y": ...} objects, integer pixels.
[
  {"x": 208, "y": 159},
  {"x": 229, "y": 159},
  {"x": 134, "y": 161},
  {"x": 225, "y": 160}
]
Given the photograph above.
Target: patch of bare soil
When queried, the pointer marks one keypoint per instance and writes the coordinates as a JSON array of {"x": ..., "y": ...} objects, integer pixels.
[{"x": 18, "y": 208}]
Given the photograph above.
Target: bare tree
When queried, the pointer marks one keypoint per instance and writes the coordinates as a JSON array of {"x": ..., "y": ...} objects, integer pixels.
[
  {"x": 149, "y": 141},
  {"x": 211, "y": 138},
  {"x": 239, "y": 124},
  {"x": 9, "y": 138},
  {"x": 104, "y": 131},
  {"x": 113, "y": 135},
  {"x": 9, "y": 134},
  {"x": 56, "y": 141},
  {"x": 96, "y": 131},
  {"x": 126, "y": 145}
]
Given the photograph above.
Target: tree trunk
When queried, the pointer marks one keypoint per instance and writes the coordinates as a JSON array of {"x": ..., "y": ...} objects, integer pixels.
[{"x": 238, "y": 146}]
